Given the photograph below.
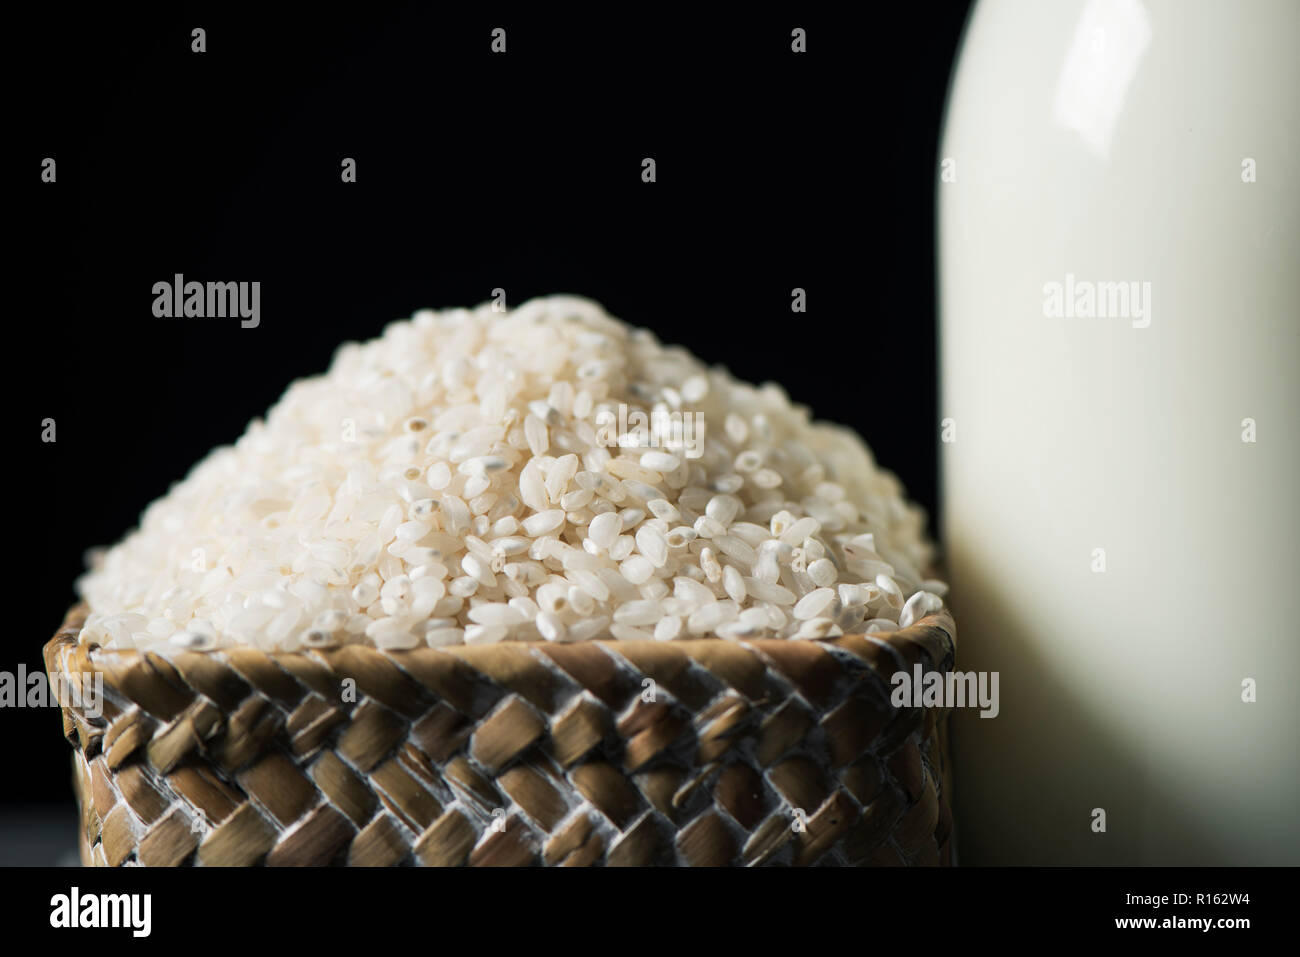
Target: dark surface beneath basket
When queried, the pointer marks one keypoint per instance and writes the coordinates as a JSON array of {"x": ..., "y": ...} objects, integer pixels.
[{"x": 39, "y": 836}]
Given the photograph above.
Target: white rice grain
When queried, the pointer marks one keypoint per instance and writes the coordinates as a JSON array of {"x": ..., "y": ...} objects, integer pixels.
[{"x": 814, "y": 603}]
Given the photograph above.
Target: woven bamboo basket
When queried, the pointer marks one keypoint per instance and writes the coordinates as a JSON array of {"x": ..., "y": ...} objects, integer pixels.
[{"x": 701, "y": 752}]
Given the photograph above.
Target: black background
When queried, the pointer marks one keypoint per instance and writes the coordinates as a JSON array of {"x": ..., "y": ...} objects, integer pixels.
[{"x": 475, "y": 171}]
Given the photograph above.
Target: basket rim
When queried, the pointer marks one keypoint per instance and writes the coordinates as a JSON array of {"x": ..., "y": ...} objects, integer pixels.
[{"x": 935, "y": 635}]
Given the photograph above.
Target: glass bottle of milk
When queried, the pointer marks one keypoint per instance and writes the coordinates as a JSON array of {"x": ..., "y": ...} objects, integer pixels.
[{"x": 1119, "y": 196}]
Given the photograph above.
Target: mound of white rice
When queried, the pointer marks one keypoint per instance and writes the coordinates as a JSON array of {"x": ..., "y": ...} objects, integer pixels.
[{"x": 543, "y": 474}]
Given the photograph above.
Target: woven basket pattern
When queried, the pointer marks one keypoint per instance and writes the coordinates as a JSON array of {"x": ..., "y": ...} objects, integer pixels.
[{"x": 701, "y": 752}]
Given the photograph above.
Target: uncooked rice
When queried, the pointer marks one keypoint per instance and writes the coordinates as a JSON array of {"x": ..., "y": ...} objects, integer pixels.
[{"x": 475, "y": 476}]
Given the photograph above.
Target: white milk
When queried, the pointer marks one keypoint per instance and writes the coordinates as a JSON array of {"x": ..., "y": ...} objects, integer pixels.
[{"x": 1105, "y": 141}]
